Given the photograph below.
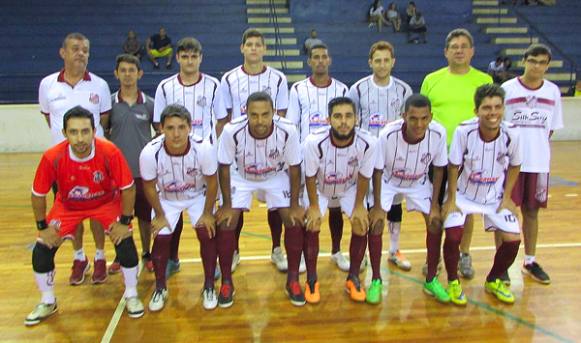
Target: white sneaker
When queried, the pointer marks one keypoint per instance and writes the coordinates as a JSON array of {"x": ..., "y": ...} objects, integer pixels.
[
  {"x": 341, "y": 261},
  {"x": 40, "y": 312},
  {"x": 278, "y": 259},
  {"x": 398, "y": 259},
  {"x": 209, "y": 298},
  {"x": 158, "y": 299},
  {"x": 302, "y": 265},
  {"x": 235, "y": 260},
  {"x": 134, "y": 307}
]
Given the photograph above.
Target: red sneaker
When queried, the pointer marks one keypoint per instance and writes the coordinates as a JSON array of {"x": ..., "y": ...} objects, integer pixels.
[
  {"x": 99, "y": 271},
  {"x": 115, "y": 267},
  {"x": 79, "y": 269}
]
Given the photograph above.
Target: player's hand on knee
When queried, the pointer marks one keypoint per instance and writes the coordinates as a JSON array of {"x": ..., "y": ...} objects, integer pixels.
[
  {"x": 448, "y": 208},
  {"x": 435, "y": 215},
  {"x": 157, "y": 224},
  {"x": 313, "y": 217},
  {"x": 224, "y": 216},
  {"x": 376, "y": 216},
  {"x": 360, "y": 217},
  {"x": 297, "y": 215},
  {"x": 119, "y": 232},
  {"x": 209, "y": 222},
  {"x": 50, "y": 237}
]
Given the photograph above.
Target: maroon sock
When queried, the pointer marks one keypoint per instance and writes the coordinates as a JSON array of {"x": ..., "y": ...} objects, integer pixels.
[
  {"x": 239, "y": 230},
  {"x": 293, "y": 243},
  {"x": 504, "y": 257},
  {"x": 175, "y": 240},
  {"x": 452, "y": 251},
  {"x": 356, "y": 253},
  {"x": 311, "y": 249},
  {"x": 433, "y": 244},
  {"x": 209, "y": 253},
  {"x": 275, "y": 224},
  {"x": 374, "y": 243},
  {"x": 336, "y": 228},
  {"x": 225, "y": 244},
  {"x": 159, "y": 257}
]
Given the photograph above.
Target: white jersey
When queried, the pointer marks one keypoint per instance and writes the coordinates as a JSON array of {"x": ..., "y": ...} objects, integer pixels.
[
  {"x": 237, "y": 85},
  {"x": 56, "y": 97},
  {"x": 337, "y": 168},
  {"x": 259, "y": 159},
  {"x": 483, "y": 165},
  {"x": 200, "y": 99},
  {"x": 535, "y": 112},
  {"x": 379, "y": 105},
  {"x": 308, "y": 104},
  {"x": 404, "y": 164},
  {"x": 181, "y": 177}
]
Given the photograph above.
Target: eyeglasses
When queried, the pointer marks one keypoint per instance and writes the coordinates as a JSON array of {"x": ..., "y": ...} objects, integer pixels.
[{"x": 536, "y": 62}]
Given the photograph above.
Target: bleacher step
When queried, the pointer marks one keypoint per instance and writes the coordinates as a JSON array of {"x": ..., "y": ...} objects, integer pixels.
[
  {"x": 506, "y": 30},
  {"x": 515, "y": 40},
  {"x": 269, "y": 20},
  {"x": 496, "y": 20},
  {"x": 266, "y": 10}
]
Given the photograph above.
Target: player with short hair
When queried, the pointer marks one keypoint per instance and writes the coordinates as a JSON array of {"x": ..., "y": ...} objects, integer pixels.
[
  {"x": 379, "y": 99},
  {"x": 339, "y": 162},
  {"x": 533, "y": 104},
  {"x": 484, "y": 164},
  {"x": 94, "y": 181},
  {"x": 179, "y": 174},
  {"x": 308, "y": 110},
  {"x": 260, "y": 152}
]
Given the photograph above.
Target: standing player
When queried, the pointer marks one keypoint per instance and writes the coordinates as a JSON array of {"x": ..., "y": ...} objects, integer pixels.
[
  {"x": 338, "y": 165},
  {"x": 379, "y": 99},
  {"x": 59, "y": 92},
  {"x": 130, "y": 129},
  {"x": 94, "y": 181},
  {"x": 183, "y": 169},
  {"x": 533, "y": 104},
  {"x": 308, "y": 110},
  {"x": 235, "y": 88},
  {"x": 407, "y": 148},
  {"x": 260, "y": 152},
  {"x": 451, "y": 91},
  {"x": 483, "y": 167}
]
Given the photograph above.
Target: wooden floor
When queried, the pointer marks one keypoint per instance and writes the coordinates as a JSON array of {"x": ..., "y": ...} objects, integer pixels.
[{"x": 262, "y": 313}]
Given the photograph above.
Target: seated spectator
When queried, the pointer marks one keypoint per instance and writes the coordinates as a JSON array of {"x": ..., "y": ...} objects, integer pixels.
[
  {"x": 417, "y": 29},
  {"x": 495, "y": 68},
  {"x": 159, "y": 46},
  {"x": 309, "y": 42},
  {"x": 377, "y": 16},
  {"x": 132, "y": 46},
  {"x": 410, "y": 12},
  {"x": 393, "y": 17},
  {"x": 507, "y": 73}
]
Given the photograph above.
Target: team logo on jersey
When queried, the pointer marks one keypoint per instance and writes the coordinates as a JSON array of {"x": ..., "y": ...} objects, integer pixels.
[
  {"x": 267, "y": 90},
  {"x": 353, "y": 162},
  {"x": 315, "y": 120},
  {"x": 335, "y": 179},
  {"x": 201, "y": 101},
  {"x": 175, "y": 187},
  {"x": 82, "y": 193},
  {"x": 376, "y": 121},
  {"x": 94, "y": 98},
  {"x": 426, "y": 158},
  {"x": 531, "y": 101},
  {"x": 193, "y": 172},
  {"x": 98, "y": 176},
  {"x": 478, "y": 178},
  {"x": 258, "y": 169},
  {"x": 197, "y": 123},
  {"x": 403, "y": 174},
  {"x": 274, "y": 154}
]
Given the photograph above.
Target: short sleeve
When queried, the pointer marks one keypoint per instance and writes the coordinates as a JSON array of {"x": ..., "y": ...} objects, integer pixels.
[
  {"x": 105, "y": 95},
  {"x": 312, "y": 159},
  {"x": 43, "y": 97},
  {"x": 380, "y": 151},
  {"x": 282, "y": 95},
  {"x": 354, "y": 95},
  {"x": 226, "y": 146},
  {"x": 441, "y": 158},
  {"x": 44, "y": 178},
  {"x": 369, "y": 159},
  {"x": 557, "y": 120},
  {"x": 159, "y": 103},
  {"x": 148, "y": 163},
  {"x": 515, "y": 149},
  {"x": 225, "y": 99},
  {"x": 293, "y": 112},
  {"x": 208, "y": 159},
  {"x": 120, "y": 170},
  {"x": 292, "y": 153},
  {"x": 457, "y": 148}
]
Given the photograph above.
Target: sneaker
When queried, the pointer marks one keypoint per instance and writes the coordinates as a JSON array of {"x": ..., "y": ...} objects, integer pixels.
[
  {"x": 499, "y": 290},
  {"x": 114, "y": 267},
  {"x": 278, "y": 259},
  {"x": 295, "y": 293},
  {"x": 235, "y": 260},
  {"x": 158, "y": 299},
  {"x": 209, "y": 298},
  {"x": 312, "y": 295},
  {"x": 99, "y": 271},
  {"x": 173, "y": 266},
  {"x": 374, "y": 292},
  {"x": 425, "y": 269},
  {"x": 302, "y": 264},
  {"x": 456, "y": 293},
  {"x": 505, "y": 278},
  {"x": 400, "y": 261},
  {"x": 341, "y": 261},
  {"x": 226, "y": 296},
  {"x": 217, "y": 272},
  {"x": 435, "y": 289},
  {"x": 134, "y": 307},
  {"x": 80, "y": 268},
  {"x": 353, "y": 288},
  {"x": 537, "y": 273},
  {"x": 40, "y": 312},
  {"x": 147, "y": 262},
  {"x": 465, "y": 266}
]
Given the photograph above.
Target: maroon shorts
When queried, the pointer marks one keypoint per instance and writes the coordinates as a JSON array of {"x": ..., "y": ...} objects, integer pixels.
[
  {"x": 531, "y": 190},
  {"x": 142, "y": 207}
]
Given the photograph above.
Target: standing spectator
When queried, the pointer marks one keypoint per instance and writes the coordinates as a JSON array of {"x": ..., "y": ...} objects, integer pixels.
[
  {"x": 132, "y": 46},
  {"x": 417, "y": 29},
  {"x": 311, "y": 41},
  {"x": 158, "y": 46}
]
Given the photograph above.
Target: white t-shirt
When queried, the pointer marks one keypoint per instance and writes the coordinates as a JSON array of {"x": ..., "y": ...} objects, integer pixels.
[
  {"x": 406, "y": 165},
  {"x": 200, "y": 99},
  {"x": 535, "y": 112},
  {"x": 337, "y": 168},
  {"x": 180, "y": 177},
  {"x": 308, "y": 104},
  {"x": 237, "y": 85},
  {"x": 259, "y": 159},
  {"x": 483, "y": 165},
  {"x": 379, "y": 105},
  {"x": 56, "y": 97}
]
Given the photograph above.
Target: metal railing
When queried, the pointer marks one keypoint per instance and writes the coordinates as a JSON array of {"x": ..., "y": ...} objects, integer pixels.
[{"x": 278, "y": 46}]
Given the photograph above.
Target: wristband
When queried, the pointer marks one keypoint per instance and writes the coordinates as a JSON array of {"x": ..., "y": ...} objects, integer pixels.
[
  {"x": 125, "y": 220},
  {"x": 41, "y": 225}
]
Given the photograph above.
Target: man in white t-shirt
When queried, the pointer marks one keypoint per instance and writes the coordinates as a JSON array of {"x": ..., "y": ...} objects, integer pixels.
[
  {"x": 533, "y": 104},
  {"x": 58, "y": 93}
]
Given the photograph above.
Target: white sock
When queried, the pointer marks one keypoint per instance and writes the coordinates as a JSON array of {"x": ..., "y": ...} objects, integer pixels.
[
  {"x": 394, "y": 230},
  {"x": 99, "y": 254},
  {"x": 79, "y": 255},
  {"x": 529, "y": 259},
  {"x": 45, "y": 283},
  {"x": 130, "y": 279}
]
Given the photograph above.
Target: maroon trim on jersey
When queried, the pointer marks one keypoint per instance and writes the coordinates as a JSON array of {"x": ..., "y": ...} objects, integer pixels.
[
  {"x": 531, "y": 89},
  {"x": 190, "y": 85},
  {"x": 44, "y": 113},
  {"x": 61, "y": 77},
  {"x": 325, "y": 86},
  {"x": 177, "y": 155},
  {"x": 263, "y": 138},
  {"x": 247, "y": 73},
  {"x": 139, "y": 100},
  {"x": 406, "y": 138},
  {"x": 523, "y": 99}
]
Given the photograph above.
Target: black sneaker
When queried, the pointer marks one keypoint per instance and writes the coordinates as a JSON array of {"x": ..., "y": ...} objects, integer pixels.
[
  {"x": 505, "y": 278},
  {"x": 537, "y": 273},
  {"x": 295, "y": 293},
  {"x": 226, "y": 296}
]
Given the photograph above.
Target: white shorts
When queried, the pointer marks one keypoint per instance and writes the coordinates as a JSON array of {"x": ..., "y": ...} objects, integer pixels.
[
  {"x": 505, "y": 221},
  {"x": 397, "y": 199},
  {"x": 276, "y": 191},
  {"x": 346, "y": 201},
  {"x": 173, "y": 209},
  {"x": 417, "y": 198}
]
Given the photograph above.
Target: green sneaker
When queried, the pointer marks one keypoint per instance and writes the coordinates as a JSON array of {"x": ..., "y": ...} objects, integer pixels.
[
  {"x": 374, "y": 292},
  {"x": 499, "y": 290},
  {"x": 456, "y": 293},
  {"x": 435, "y": 289}
]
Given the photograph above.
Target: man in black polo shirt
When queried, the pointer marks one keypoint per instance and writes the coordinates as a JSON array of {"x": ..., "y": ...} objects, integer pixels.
[{"x": 158, "y": 46}]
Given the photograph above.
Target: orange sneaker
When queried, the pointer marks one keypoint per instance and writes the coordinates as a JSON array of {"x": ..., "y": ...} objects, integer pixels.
[
  {"x": 353, "y": 288},
  {"x": 312, "y": 295}
]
